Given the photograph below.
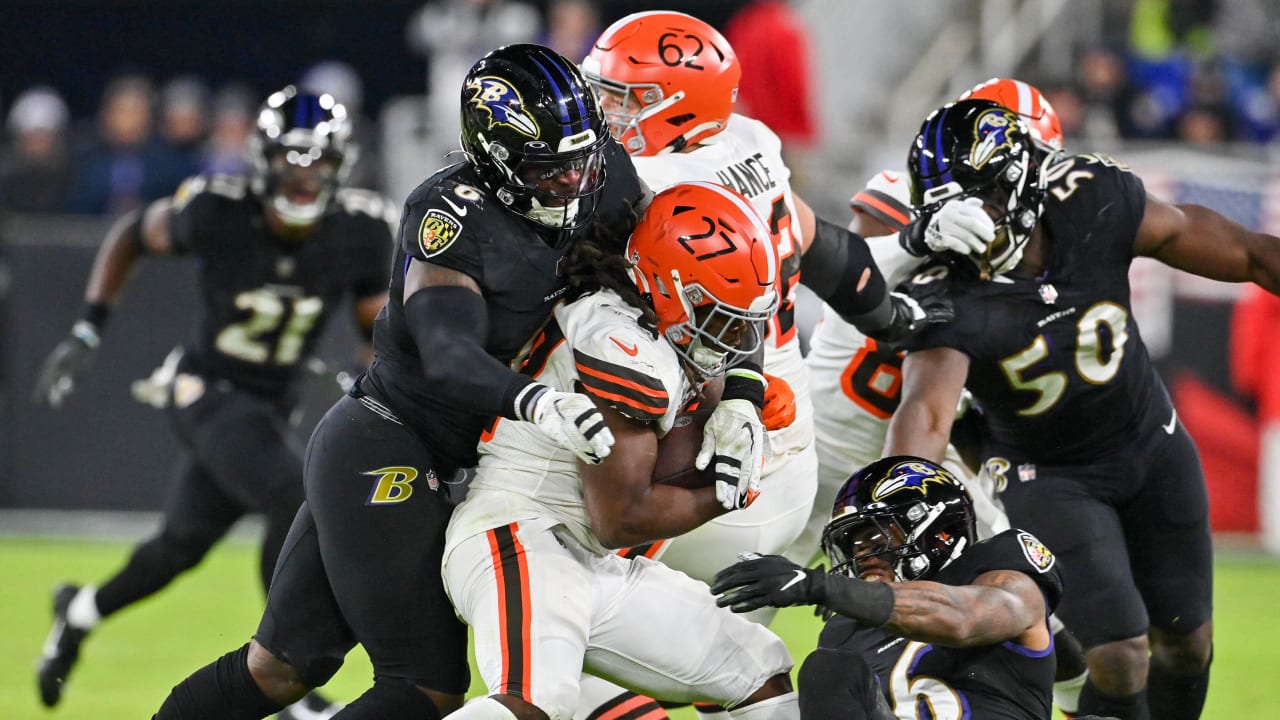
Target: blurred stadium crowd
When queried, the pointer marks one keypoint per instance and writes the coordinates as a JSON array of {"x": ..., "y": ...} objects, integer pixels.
[{"x": 1195, "y": 71}]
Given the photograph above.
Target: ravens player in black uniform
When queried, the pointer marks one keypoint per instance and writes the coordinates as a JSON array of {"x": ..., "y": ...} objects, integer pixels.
[
  {"x": 925, "y": 616},
  {"x": 1080, "y": 432},
  {"x": 475, "y": 274},
  {"x": 278, "y": 252}
]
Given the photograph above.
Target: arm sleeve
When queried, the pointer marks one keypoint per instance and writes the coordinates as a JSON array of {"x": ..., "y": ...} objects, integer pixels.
[
  {"x": 832, "y": 267},
  {"x": 450, "y": 325}
]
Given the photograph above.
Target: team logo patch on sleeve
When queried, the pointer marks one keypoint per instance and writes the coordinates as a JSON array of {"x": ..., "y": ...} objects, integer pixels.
[
  {"x": 438, "y": 231},
  {"x": 1037, "y": 554}
]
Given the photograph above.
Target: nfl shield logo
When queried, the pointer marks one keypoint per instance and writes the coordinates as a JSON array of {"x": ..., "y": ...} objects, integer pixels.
[
  {"x": 1048, "y": 293},
  {"x": 1026, "y": 472}
]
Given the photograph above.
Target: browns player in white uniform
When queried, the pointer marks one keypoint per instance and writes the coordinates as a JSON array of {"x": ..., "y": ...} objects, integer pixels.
[{"x": 529, "y": 559}]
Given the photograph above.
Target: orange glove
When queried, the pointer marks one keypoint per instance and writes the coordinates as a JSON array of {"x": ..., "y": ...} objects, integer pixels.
[{"x": 779, "y": 404}]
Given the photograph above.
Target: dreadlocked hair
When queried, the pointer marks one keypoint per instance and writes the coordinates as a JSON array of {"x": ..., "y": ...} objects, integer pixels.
[{"x": 598, "y": 261}]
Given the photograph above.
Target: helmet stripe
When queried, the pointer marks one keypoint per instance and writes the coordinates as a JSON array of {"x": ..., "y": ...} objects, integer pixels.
[
  {"x": 1026, "y": 101},
  {"x": 562, "y": 82},
  {"x": 936, "y": 136}
]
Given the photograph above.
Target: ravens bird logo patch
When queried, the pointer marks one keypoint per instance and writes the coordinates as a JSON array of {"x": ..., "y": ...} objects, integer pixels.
[
  {"x": 437, "y": 232},
  {"x": 503, "y": 103}
]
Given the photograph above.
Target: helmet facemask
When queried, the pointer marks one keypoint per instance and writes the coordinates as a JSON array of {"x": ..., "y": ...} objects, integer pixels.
[
  {"x": 301, "y": 155},
  {"x": 558, "y": 190},
  {"x": 627, "y": 105},
  {"x": 976, "y": 148}
]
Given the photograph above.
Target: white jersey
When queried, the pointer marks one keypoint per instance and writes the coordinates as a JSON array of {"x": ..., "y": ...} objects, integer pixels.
[
  {"x": 747, "y": 156},
  {"x": 860, "y": 384},
  {"x": 597, "y": 341},
  {"x": 858, "y": 380}
]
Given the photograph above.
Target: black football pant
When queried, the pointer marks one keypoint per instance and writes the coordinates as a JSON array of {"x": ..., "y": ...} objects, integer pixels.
[
  {"x": 362, "y": 560},
  {"x": 239, "y": 458}
]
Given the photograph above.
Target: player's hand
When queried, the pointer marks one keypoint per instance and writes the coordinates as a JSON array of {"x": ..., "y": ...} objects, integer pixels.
[
  {"x": 779, "y": 403},
  {"x": 959, "y": 226},
  {"x": 733, "y": 445},
  {"x": 911, "y": 313},
  {"x": 68, "y": 360},
  {"x": 573, "y": 422},
  {"x": 768, "y": 580}
]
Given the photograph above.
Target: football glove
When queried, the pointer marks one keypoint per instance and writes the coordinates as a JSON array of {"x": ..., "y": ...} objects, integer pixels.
[
  {"x": 768, "y": 580},
  {"x": 911, "y": 313},
  {"x": 959, "y": 226},
  {"x": 733, "y": 445},
  {"x": 573, "y": 422},
  {"x": 69, "y": 359},
  {"x": 779, "y": 404}
]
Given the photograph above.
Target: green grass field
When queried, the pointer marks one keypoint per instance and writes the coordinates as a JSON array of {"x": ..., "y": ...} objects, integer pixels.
[{"x": 129, "y": 664}]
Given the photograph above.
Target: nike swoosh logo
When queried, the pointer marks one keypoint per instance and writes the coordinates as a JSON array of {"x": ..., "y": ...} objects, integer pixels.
[
  {"x": 460, "y": 210},
  {"x": 798, "y": 578},
  {"x": 628, "y": 349},
  {"x": 890, "y": 177},
  {"x": 1173, "y": 422}
]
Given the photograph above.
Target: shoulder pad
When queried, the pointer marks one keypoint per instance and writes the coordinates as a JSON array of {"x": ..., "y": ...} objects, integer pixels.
[
  {"x": 232, "y": 187},
  {"x": 618, "y": 361},
  {"x": 358, "y": 201}
]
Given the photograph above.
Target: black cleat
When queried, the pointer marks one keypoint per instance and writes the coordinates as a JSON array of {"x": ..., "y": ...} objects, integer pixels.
[{"x": 61, "y": 649}]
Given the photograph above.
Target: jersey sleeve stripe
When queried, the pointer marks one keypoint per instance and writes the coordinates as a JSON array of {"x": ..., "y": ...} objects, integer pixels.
[
  {"x": 627, "y": 405},
  {"x": 623, "y": 377}
]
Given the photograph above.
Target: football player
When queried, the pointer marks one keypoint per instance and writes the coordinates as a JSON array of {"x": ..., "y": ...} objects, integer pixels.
[
  {"x": 861, "y": 380},
  {"x": 1081, "y": 437},
  {"x": 277, "y": 252},
  {"x": 478, "y": 267},
  {"x": 927, "y": 621},
  {"x": 528, "y": 559}
]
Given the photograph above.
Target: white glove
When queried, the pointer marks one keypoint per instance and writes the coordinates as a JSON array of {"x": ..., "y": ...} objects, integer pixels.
[
  {"x": 573, "y": 422},
  {"x": 961, "y": 226},
  {"x": 733, "y": 440}
]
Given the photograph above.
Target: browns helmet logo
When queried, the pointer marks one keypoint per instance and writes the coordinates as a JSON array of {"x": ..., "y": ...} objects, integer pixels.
[
  {"x": 437, "y": 232},
  {"x": 1040, "y": 557},
  {"x": 907, "y": 476},
  {"x": 992, "y": 128},
  {"x": 503, "y": 103}
]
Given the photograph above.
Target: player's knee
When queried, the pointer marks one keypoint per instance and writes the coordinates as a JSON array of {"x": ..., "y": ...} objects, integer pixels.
[
  {"x": 836, "y": 683},
  {"x": 1119, "y": 667},
  {"x": 185, "y": 548},
  {"x": 277, "y": 679},
  {"x": 1183, "y": 653},
  {"x": 774, "y": 699}
]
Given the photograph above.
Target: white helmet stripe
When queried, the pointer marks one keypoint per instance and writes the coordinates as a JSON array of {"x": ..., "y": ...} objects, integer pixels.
[{"x": 1026, "y": 100}]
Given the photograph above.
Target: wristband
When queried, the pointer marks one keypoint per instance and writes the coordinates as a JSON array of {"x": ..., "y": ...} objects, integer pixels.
[
  {"x": 870, "y": 603},
  {"x": 745, "y": 381},
  {"x": 522, "y": 397},
  {"x": 96, "y": 314},
  {"x": 85, "y": 332}
]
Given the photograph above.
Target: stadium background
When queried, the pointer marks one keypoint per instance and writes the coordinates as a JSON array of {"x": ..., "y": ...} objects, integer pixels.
[{"x": 77, "y": 484}]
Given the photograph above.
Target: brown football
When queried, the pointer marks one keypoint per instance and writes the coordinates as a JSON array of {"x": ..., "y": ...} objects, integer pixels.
[{"x": 678, "y": 449}]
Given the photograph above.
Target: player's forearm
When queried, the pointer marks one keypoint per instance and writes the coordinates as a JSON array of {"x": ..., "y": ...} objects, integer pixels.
[
  {"x": 837, "y": 266},
  {"x": 953, "y": 616},
  {"x": 916, "y": 430},
  {"x": 114, "y": 262},
  {"x": 663, "y": 511}
]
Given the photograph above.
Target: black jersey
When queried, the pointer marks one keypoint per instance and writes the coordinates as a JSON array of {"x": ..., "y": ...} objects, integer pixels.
[
  {"x": 1056, "y": 361},
  {"x": 1004, "y": 680},
  {"x": 453, "y": 221},
  {"x": 265, "y": 300}
]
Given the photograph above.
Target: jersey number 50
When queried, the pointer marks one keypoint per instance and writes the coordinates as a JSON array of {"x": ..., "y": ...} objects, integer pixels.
[{"x": 1095, "y": 363}]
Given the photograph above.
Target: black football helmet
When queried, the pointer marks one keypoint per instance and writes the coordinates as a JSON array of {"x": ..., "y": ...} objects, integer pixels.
[
  {"x": 977, "y": 148},
  {"x": 910, "y": 512},
  {"x": 302, "y": 153},
  {"x": 531, "y": 126}
]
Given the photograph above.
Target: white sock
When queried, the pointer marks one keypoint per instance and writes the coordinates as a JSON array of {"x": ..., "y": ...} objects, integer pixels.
[
  {"x": 1066, "y": 694},
  {"x": 780, "y": 707},
  {"x": 82, "y": 613}
]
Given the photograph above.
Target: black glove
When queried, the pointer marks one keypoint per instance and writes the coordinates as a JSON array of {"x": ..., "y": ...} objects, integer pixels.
[
  {"x": 68, "y": 360},
  {"x": 913, "y": 312},
  {"x": 768, "y": 580}
]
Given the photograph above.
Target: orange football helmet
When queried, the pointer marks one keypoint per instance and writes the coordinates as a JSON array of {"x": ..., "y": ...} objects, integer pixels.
[
  {"x": 1027, "y": 101},
  {"x": 666, "y": 80},
  {"x": 706, "y": 262}
]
